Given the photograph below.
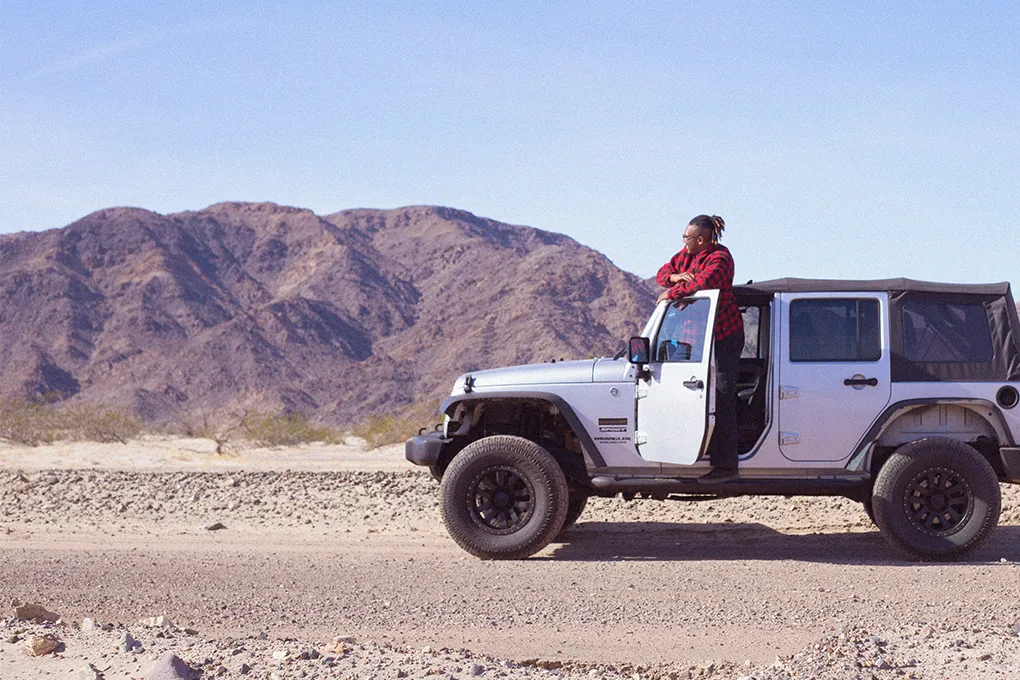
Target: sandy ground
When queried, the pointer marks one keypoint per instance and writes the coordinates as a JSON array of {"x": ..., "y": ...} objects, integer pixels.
[
  {"x": 166, "y": 454},
  {"x": 327, "y": 542}
]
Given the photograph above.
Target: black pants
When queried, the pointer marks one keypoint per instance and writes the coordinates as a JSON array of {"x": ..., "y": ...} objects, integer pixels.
[{"x": 723, "y": 447}]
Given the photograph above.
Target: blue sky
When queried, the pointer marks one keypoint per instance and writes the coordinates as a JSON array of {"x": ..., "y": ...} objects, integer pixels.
[{"x": 848, "y": 140}]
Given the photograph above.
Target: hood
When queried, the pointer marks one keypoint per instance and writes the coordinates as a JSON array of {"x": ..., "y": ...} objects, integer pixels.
[
  {"x": 531, "y": 374},
  {"x": 613, "y": 370}
]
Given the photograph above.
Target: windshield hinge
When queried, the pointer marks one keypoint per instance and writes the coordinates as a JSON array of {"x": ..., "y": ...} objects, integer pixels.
[
  {"x": 640, "y": 437},
  {"x": 641, "y": 391}
]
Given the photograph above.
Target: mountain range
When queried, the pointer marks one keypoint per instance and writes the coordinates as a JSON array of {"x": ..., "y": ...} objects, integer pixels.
[{"x": 262, "y": 306}]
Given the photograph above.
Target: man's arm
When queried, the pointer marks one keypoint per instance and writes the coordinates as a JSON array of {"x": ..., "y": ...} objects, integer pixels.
[
  {"x": 717, "y": 271},
  {"x": 668, "y": 269}
]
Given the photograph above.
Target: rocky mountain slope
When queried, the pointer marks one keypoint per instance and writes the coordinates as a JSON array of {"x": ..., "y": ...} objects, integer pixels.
[{"x": 246, "y": 305}]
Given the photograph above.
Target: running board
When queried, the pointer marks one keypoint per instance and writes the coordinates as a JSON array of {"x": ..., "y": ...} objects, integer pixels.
[{"x": 857, "y": 488}]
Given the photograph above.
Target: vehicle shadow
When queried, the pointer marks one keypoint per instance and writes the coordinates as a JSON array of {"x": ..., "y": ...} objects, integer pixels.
[{"x": 666, "y": 541}]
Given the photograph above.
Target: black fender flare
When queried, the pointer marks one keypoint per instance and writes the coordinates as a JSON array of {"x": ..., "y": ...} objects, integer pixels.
[
  {"x": 591, "y": 451},
  {"x": 861, "y": 455}
]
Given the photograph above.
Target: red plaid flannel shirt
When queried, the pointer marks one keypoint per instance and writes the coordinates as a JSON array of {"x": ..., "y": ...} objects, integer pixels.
[{"x": 712, "y": 269}]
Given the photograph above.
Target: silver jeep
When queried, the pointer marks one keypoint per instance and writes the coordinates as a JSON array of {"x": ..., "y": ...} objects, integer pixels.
[{"x": 896, "y": 393}]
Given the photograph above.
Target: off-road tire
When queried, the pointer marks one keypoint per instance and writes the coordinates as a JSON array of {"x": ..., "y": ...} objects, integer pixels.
[
  {"x": 575, "y": 506},
  {"x": 504, "y": 498},
  {"x": 936, "y": 499}
]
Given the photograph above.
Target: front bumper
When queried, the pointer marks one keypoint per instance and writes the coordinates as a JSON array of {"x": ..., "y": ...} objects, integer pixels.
[{"x": 424, "y": 449}]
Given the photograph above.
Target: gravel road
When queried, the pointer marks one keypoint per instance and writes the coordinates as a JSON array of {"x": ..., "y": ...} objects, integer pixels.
[{"x": 350, "y": 574}]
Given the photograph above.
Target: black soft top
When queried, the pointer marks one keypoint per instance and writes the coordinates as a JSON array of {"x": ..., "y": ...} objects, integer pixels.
[
  {"x": 793, "y": 285},
  {"x": 997, "y": 299}
]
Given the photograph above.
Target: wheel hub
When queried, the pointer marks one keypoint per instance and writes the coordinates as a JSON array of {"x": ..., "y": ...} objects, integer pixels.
[
  {"x": 501, "y": 500},
  {"x": 938, "y": 501}
]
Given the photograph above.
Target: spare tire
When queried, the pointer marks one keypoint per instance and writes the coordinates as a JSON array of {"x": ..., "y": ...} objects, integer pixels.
[
  {"x": 936, "y": 499},
  {"x": 504, "y": 497}
]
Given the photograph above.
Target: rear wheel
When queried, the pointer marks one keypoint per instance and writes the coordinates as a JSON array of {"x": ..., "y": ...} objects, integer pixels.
[
  {"x": 504, "y": 497},
  {"x": 936, "y": 499}
]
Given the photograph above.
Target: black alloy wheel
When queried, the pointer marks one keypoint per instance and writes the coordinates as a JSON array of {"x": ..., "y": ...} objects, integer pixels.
[
  {"x": 501, "y": 500},
  {"x": 938, "y": 501}
]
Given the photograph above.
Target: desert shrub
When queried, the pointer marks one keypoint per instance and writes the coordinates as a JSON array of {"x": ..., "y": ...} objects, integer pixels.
[
  {"x": 31, "y": 423},
  {"x": 84, "y": 422},
  {"x": 284, "y": 429},
  {"x": 223, "y": 427},
  {"x": 392, "y": 429},
  {"x": 28, "y": 423}
]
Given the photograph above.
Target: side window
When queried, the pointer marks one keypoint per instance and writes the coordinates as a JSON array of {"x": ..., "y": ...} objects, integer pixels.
[
  {"x": 946, "y": 333},
  {"x": 683, "y": 332},
  {"x": 838, "y": 329}
]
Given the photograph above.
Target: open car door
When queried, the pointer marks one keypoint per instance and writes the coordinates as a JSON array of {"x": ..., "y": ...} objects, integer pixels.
[{"x": 676, "y": 400}]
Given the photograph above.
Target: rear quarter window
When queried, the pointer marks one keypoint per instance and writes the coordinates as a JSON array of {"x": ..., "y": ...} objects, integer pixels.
[{"x": 947, "y": 333}]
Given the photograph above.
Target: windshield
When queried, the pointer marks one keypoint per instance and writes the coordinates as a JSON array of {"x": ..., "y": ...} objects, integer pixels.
[{"x": 683, "y": 332}]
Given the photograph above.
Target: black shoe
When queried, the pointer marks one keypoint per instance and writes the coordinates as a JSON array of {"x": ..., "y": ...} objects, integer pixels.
[{"x": 719, "y": 475}]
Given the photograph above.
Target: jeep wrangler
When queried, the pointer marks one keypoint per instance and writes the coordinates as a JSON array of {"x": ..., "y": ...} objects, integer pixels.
[{"x": 899, "y": 394}]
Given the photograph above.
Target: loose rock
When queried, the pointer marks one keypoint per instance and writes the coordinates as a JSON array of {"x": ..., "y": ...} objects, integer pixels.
[
  {"x": 156, "y": 622},
  {"x": 90, "y": 672},
  {"x": 170, "y": 667},
  {"x": 128, "y": 643},
  {"x": 45, "y": 644},
  {"x": 35, "y": 612}
]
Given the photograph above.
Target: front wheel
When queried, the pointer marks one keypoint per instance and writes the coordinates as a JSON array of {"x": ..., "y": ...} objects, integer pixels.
[
  {"x": 504, "y": 497},
  {"x": 936, "y": 499}
]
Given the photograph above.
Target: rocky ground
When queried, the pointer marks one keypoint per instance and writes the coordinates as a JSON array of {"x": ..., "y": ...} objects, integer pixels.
[{"x": 293, "y": 564}]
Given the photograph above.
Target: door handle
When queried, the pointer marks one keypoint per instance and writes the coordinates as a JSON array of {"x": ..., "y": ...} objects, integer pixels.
[
  {"x": 855, "y": 382},
  {"x": 694, "y": 384}
]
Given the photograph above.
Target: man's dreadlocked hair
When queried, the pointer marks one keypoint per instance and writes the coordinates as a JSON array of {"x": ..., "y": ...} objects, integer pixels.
[{"x": 713, "y": 224}]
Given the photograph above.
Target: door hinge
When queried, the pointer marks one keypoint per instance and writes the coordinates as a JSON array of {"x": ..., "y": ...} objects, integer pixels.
[
  {"x": 641, "y": 391},
  {"x": 640, "y": 437},
  {"x": 787, "y": 438},
  {"x": 788, "y": 392}
]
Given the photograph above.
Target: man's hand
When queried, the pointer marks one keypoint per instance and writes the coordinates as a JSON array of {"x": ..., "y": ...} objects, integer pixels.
[
  {"x": 664, "y": 295},
  {"x": 682, "y": 276}
]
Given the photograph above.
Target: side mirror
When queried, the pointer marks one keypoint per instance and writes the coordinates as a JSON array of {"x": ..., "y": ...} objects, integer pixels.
[{"x": 639, "y": 351}]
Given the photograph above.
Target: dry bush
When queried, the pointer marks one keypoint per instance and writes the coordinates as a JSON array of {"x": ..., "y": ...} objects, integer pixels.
[
  {"x": 222, "y": 428},
  {"x": 393, "y": 429},
  {"x": 31, "y": 423},
  {"x": 285, "y": 429},
  {"x": 28, "y": 423},
  {"x": 97, "y": 424}
]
